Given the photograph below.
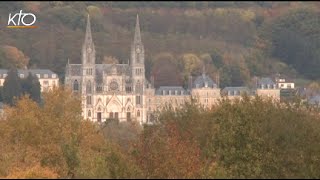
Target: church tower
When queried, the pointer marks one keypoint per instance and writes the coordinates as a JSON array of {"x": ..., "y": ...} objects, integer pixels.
[
  {"x": 138, "y": 72},
  {"x": 88, "y": 70}
]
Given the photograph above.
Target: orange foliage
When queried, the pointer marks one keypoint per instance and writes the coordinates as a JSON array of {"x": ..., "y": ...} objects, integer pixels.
[
  {"x": 168, "y": 154},
  {"x": 15, "y": 56},
  {"x": 36, "y": 171}
]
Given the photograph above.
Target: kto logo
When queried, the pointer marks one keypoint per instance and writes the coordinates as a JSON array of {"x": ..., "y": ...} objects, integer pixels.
[{"x": 25, "y": 20}]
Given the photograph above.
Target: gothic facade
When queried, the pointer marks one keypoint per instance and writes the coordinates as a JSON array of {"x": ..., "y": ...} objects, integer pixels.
[{"x": 121, "y": 91}]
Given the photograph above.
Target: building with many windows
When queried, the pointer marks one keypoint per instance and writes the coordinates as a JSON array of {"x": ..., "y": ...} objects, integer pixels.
[
  {"x": 47, "y": 78},
  {"x": 121, "y": 91}
]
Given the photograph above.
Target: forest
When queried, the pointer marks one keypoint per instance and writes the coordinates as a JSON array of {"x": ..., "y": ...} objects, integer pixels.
[
  {"x": 235, "y": 40},
  {"x": 44, "y": 135},
  {"x": 248, "y": 138}
]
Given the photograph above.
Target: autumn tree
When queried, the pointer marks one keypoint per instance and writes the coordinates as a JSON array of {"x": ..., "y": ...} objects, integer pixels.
[
  {"x": 165, "y": 153},
  {"x": 54, "y": 139},
  {"x": 16, "y": 57},
  {"x": 165, "y": 71}
]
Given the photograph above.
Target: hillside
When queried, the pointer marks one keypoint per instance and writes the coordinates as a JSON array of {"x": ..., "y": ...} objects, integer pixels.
[{"x": 238, "y": 39}]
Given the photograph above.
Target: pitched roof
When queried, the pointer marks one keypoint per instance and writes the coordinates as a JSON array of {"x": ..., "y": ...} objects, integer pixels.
[
  {"x": 202, "y": 80},
  {"x": 160, "y": 90},
  {"x": 25, "y": 72},
  {"x": 265, "y": 81}
]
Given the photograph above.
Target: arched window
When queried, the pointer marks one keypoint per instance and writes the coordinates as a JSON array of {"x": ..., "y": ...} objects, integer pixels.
[
  {"x": 89, "y": 113},
  {"x": 88, "y": 100},
  {"x": 75, "y": 85},
  {"x": 138, "y": 100},
  {"x": 138, "y": 113},
  {"x": 89, "y": 87}
]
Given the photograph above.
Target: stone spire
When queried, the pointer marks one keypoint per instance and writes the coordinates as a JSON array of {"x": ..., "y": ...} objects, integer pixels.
[
  {"x": 203, "y": 71},
  {"x": 137, "y": 36},
  {"x": 88, "y": 37}
]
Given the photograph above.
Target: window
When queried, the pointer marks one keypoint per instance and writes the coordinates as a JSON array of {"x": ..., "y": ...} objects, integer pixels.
[
  {"x": 45, "y": 75},
  {"x": 46, "y": 83},
  {"x": 89, "y": 89},
  {"x": 111, "y": 115},
  {"x": 116, "y": 115},
  {"x": 75, "y": 85},
  {"x": 54, "y": 75},
  {"x": 128, "y": 89},
  {"x": 138, "y": 100},
  {"x": 138, "y": 113},
  {"x": 38, "y": 75},
  {"x": 289, "y": 86},
  {"x": 89, "y": 71},
  {"x": 88, "y": 100},
  {"x": 89, "y": 113},
  {"x": 99, "y": 88}
]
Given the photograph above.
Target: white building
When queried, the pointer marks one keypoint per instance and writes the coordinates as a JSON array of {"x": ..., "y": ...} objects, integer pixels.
[
  {"x": 47, "y": 78},
  {"x": 284, "y": 84},
  {"x": 121, "y": 91}
]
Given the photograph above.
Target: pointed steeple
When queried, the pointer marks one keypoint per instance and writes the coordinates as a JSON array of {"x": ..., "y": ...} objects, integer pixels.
[
  {"x": 88, "y": 37},
  {"x": 137, "y": 35},
  {"x": 203, "y": 71}
]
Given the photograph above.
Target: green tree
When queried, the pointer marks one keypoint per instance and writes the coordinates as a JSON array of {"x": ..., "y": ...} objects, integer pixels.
[
  {"x": 31, "y": 86},
  {"x": 11, "y": 87}
]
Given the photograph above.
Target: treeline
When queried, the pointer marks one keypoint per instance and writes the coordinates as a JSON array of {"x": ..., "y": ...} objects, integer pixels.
[
  {"x": 256, "y": 38},
  {"x": 254, "y": 138}
]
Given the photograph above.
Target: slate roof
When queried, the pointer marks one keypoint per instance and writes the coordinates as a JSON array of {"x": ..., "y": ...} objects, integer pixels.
[
  {"x": 25, "y": 72},
  {"x": 180, "y": 89},
  {"x": 240, "y": 89},
  {"x": 315, "y": 100},
  {"x": 265, "y": 81},
  {"x": 202, "y": 80}
]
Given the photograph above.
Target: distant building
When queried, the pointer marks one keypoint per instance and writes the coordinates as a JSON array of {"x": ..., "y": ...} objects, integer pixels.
[
  {"x": 314, "y": 100},
  {"x": 236, "y": 92},
  {"x": 47, "y": 78},
  {"x": 267, "y": 88},
  {"x": 283, "y": 83},
  {"x": 121, "y": 91}
]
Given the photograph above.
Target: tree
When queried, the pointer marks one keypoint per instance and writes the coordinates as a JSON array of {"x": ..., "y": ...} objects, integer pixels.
[
  {"x": 165, "y": 71},
  {"x": 54, "y": 139},
  {"x": 16, "y": 57},
  {"x": 11, "y": 87},
  {"x": 165, "y": 153}
]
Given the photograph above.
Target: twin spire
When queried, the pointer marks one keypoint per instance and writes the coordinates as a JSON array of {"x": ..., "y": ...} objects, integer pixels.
[
  {"x": 88, "y": 37},
  {"x": 137, "y": 35}
]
